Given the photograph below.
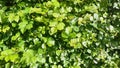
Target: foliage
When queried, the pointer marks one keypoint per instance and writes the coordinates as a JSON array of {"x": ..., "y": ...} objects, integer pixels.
[{"x": 59, "y": 33}]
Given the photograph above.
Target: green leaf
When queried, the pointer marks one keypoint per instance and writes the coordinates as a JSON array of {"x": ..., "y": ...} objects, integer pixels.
[
  {"x": 76, "y": 28},
  {"x": 53, "y": 23},
  {"x": 74, "y": 42},
  {"x": 54, "y": 66},
  {"x": 21, "y": 4},
  {"x": 29, "y": 26},
  {"x": 36, "y": 41},
  {"x": 88, "y": 50},
  {"x": 40, "y": 51},
  {"x": 48, "y": 3},
  {"x": 50, "y": 42},
  {"x": 43, "y": 60},
  {"x": 58, "y": 52},
  {"x": 91, "y": 8},
  {"x": 72, "y": 35},
  {"x": 21, "y": 44},
  {"x": 16, "y": 36},
  {"x": 7, "y": 52},
  {"x": 73, "y": 21},
  {"x": 50, "y": 60},
  {"x": 7, "y": 65},
  {"x": 56, "y": 14},
  {"x": 69, "y": 9},
  {"x": 87, "y": 17},
  {"x": 80, "y": 20},
  {"x": 44, "y": 39},
  {"x": 60, "y": 26},
  {"x": 5, "y": 28},
  {"x": 35, "y": 10},
  {"x": 11, "y": 17},
  {"x": 39, "y": 19},
  {"x": 59, "y": 66},
  {"x": 53, "y": 30},
  {"x": 28, "y": 56},
  {"x": 21, "y": 13},
  {"x": 22, "y": 25},
  {"x": 27, "y": 10},
  {"x": 14, "y": 24},
  {"x": 96, "y": 16},
  {"x": 55, "y": 3},
  {"x": 7, "y": 58},
  {"x": 14, "y": 57},
  {"x": 16, "y": 18},
  {"x": 64, "y": 35},
  {"x": 68, "y": 30}
]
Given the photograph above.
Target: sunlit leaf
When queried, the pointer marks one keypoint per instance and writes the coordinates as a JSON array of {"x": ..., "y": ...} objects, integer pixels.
[
  {"x": 16, "y": 18},
  {"x": 50, "y": 42},
  {"x": 60, "y": 26},
  {"x": 22, "y": 25},
  {"x": 11, "y": 17},
  {"x": 29, "y": 26},
  {"x": 16, "y": 36},
  {"x": 5, "y": 28},
  {"x": 53, "y": 30}
]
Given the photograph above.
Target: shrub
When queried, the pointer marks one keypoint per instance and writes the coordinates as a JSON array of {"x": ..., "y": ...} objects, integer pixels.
[{"x": 59, "y": 34}]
